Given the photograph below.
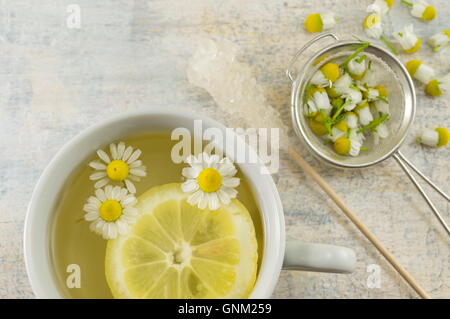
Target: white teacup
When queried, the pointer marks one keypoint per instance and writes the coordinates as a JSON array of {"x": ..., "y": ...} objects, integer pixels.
[{"x": 277, "y": 254}]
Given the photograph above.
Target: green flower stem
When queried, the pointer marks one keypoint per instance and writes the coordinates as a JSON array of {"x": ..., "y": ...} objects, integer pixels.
[
  {"x": 357, "y": 51},
  {"x": 339, "y": 110},
  {"x": 374, "y": 124},
  {"x": 409, "y": 4},
  {"x": 389, "y": 45}
]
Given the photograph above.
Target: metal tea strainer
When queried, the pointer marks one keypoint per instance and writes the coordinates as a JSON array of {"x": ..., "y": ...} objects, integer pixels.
[{"x": 402, "y": 100}]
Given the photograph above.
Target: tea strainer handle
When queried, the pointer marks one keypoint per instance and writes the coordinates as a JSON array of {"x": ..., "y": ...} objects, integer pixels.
[
  {"x": 306, "y": 46},
  {"x": 404, "y": 163}
]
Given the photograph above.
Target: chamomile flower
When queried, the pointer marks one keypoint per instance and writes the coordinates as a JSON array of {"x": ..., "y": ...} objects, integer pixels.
[
  {"x": 123, "y": 166},
  {"x": 318, "y": 100},
  {"x": 421, "y": 9},
  {"x": 371, "y": 94},
  {"x": 352, "y": 120},
  {"x": 420, "y": 71},
  {"x": 326, "y": 75},
  {"x": 380, "y": 6},
  {"x": 438, "y": 87},
  {"x": 356, "y": 141},
  {"x": 317, "y": 22},
  {"x": 439, "y": 40},
  {"x": 434, "y": 138},
  {"x": 317, "y": 124},
  {"x": 347, "y": 146},
  {"x": 372, "y": 26},
  {"x": 407, "y": 39},
  {"x": 342, "y": 84},
  {"x": 357, "y": 67},
  {"x": 364, "y": 114},
  {"x": 353, "y": 96},
  {"x": 111, "y": 211},
  {"x": 210, "y": 180},
  {"x": 382, "y": 106},
  {"x": 338, "y": 130}
]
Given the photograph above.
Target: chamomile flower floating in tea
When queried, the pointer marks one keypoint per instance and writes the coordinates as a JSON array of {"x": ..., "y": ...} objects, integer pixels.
[
  {"x": 437, "y": 87},
  {"x": 407, "y": 39},
  {"x": 439, "y": 40},
  {"x": 123, "y": 166},
  {"x": 210, "y": 180},
  {"x": 326, "y": 75},
  {"x": 420, "y": 71},
  {"x": 110, "y": 211},
  {"x": 317, "y": 22},
  {"x": 380, "y": 6},
  {"x": 372, "y": 26},
  {"x": 434, "y": 138},
  {"x": 421, "y": 9}
]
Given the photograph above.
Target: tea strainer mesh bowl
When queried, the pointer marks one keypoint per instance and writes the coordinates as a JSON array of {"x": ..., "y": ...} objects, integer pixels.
[{"x": 389, "y": 72}]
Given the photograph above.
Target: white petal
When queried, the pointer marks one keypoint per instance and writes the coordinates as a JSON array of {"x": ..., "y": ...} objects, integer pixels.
[
  {"x": 231, "y": 192},
  {"x": 223, "y": 197},
  {"x": 100, "y": 194},
  {"x": 90, "y": 208},
  {"x": 115, "y": 192},
  {"x": 122, "y": 227},
  {"x": 97, "y": 175},
  {"x": 190, "y": 172},
  {"x": 122, "y": 194},
  {"x": 134, "y": 178},
  {"x": 227, "y": 170},
  {"x": 103, "y": 156},
  {"x": 108, "y": 191},
  {"x": 112, "y": 230},
  {"x": 130, "y": 186},
  {"x": 101, "y": 183},
  {"x": 134, "y": 156},
  {"x": 135, "y": 164},
  {"x": 231, "y": 181},
  {"x": 189, "y": 186},
  {"x": 128, "y": 200},
  {"x": 113, "y": 150},
  {"x": 91, "y": 216},
  {"x": 213, "y": 201},
  {"x": 93, "y": 200},
  {"x": 130, "y": 211},
  {"x": 195, "y": 198},
  {"x": 127, "y": 153},
  {"x": 120, "y": 149},
  {"x": 138, "y": 172},
  {"x": 97, "y": 165}
]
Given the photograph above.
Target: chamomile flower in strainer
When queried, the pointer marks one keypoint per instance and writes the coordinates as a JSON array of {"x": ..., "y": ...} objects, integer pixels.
[
  {"x": 347, "y": 146},
  {"x": 317, "y": 22},
  {"x": 407, "y": 39},
  {"x": 438, "y": 87},
  {"x": 110, "y": 211},
  {"x": 420, "y": 71},
  {"x": 338, "y": 130},
  {"x": 326, "y": 75},
  {"x": 380, "y": 6},
  {"x": 123, "y": 166},
  {"x": 364, "y": 114},
  {"x": 318, "y": 100},
  {"x": 421, "y": 9},
  {"x": 372, "y": 26},
  {"x": 434, "y": 138},
  {"x": 352, "y": 120},
  {"x": 342, "y": 84},
  {"x": 210, "y": 180},
  {"x": 353, "y": 96},
  {"x": 357, "y": 67},
  {"x": 439, "y": 40}
]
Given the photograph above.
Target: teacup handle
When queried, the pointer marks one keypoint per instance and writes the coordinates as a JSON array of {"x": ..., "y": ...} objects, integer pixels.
[{"x": 318, "y": 257}]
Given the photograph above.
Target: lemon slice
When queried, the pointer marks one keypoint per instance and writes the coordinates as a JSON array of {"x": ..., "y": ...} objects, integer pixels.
[{"x": 175, "y": 250}]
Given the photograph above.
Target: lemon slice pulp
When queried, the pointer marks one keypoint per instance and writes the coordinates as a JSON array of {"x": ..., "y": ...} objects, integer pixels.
[{"x": 176, "y": 250}]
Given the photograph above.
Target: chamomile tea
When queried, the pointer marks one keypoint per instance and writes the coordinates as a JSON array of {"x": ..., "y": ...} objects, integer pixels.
[{"x": 131, "y": 223}]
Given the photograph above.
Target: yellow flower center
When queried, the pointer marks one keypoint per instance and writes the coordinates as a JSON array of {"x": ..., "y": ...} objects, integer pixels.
[
  {"x": 342, "y": 146},
  {"x": 415, "y": 48},
  {"x": 382, "y": 90},
  {"x": 313, "y": 23},
  {"x": 370, "y": 20},
  {"x": 110, "y": 210},
  {"x": 429, "y": 14},
  {"x": 433, "y": 89},
  {"x": 444, "y": 136},
  {"x": 390, "y": 3},
  {"x": 330, "y": 71},
  {"x": 447, "y": 33},
  {"x": 209, "y": 180},
  {"x": 117, "y": 170}
]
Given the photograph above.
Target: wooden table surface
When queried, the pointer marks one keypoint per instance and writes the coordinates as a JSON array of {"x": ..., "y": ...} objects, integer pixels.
[{"x": 132, "y": 55}]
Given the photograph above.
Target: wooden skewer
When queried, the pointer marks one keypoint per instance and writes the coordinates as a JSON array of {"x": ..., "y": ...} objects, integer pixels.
[{"x": 357, "y": 222}]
